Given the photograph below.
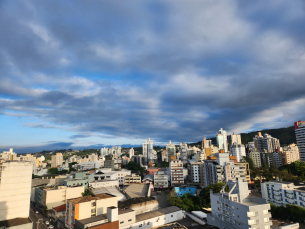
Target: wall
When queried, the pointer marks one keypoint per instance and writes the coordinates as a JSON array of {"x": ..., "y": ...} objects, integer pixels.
[
  {"x": 15, "y": 189},
  {"x": 103, "y": 184},
  {"x": 103, "y": 204},
  {"x": 127, "y": 218},
  {"x": 23, "y": 226},
  {"x": 145, "y": 207},
  {"x": 38, "y": 181},
  {"x": 110, "y": 225}
]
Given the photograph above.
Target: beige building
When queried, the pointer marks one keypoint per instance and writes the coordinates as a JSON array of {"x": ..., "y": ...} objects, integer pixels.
[
  {"x": 290, "y": 154},
  {"x": 247, "y": 170},
  {"x": 104, "y": 183},
  {"x": 56, "y": 160},
  {"x": 256, "y": 158},
  {"x": 93, "y": 157},
  {"x": 56, "y": 196},
  {"x": 132, "y": 179},
  {"x": 15, "y": 189},
  {"x": 88, "y": 206},
  {"x": 176, "y": 171},
  {"x": 9, "y": 155}
]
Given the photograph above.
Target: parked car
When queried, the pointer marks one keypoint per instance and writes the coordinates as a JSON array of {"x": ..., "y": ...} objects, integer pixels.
[
  {"x": 37, "y": 212},
  {"x": 46, "y": 222}
]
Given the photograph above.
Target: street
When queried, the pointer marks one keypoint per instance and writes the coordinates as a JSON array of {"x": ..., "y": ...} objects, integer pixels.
[{"x": 38, "y": 220}]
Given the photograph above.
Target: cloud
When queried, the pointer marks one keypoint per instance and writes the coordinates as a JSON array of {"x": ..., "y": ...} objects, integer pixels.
[{"x": 116, "y": 70}]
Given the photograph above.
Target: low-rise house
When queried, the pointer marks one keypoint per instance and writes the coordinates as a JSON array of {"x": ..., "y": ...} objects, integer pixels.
[{"x": 58, "y": 212}]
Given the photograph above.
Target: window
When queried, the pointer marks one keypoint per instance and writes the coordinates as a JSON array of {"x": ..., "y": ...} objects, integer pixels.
[
  {"x": 129, "y": 220},
  {"x": 266, "y": 220},
  {"x": 93, "y": 204},
  {"x": 140, "y": 225},
  {"x": 121, "y": 222}
]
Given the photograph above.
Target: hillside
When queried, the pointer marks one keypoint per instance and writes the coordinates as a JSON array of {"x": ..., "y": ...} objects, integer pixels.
[{"x": 285, "y": 135}]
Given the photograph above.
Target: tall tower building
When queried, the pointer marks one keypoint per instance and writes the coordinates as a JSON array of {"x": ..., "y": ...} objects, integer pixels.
[
  {"x": 170, "y": 150},
  {"x": 222, "y": 141},
  {"x": 56, "y": 160},
  {"x": 183, "y": 152},
  {"x": 300, "y": 136},
  {"x": 131, "y": 153},
  {"x": 104, "y": 151},
  {"x": 266, "y": 143},
  {"x": 15, "y": 192},
  {"x": 147, "y": 149},
  {"x": 234, "y": 139},
  {"x": 206, "y": 143}
]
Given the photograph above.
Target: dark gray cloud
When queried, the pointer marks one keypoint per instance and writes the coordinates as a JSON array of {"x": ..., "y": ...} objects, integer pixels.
[{"x": 165, "y": 70}]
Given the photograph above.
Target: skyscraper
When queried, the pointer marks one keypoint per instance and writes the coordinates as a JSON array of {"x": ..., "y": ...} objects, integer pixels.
[
  {"x": 131, "y": 152},
  {"x": 222, "y": 141},
  {"x": 147, "y": 149},
  {"x": 234, "y": 139},
  {"x": 170, "y": 150},
  {"x": 206, "y": 143},
  {"x": 300, "y": 136},
  {"x": 56, "y": 160},
  {"x": 266, "y": 143},
  {"x": 183, "y": 152},
  {"x": 104, "y": 151}
]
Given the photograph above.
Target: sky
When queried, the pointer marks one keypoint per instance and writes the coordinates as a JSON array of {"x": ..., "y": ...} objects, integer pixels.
[{"x": 87, "y": 74}]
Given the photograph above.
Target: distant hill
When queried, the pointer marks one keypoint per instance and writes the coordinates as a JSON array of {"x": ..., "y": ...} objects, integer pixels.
[{"x": 285, "y": 135}]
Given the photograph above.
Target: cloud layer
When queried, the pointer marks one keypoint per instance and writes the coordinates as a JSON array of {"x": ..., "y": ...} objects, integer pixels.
[{"x": 169, "y": 70}]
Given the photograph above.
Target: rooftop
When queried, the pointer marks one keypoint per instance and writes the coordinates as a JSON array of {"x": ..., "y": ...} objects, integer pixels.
[
  {"x": 93, "y": 219},
  {"x": 137, "y": 190},
  {"x": 125, "y": 211},
  {"x": 280, "y": 182},
  {"x": 60, "y": 208},
  {"x": 128, "y": 203},
  {"x": 84, "y": 199},
  {"x": 160, "y": 212},
  {"x": 14, "y": 222}
]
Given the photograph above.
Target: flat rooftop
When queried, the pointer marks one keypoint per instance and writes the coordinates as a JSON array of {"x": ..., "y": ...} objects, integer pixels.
[
  {"x": 153, "y": 214},
  {"x": 128, "y": 203},
  {"x": 14, "y": 222},
  {"x": 84, "y": 199},
  {"x": 93, "y": 219},
  {"x": 280, "y": 182}
]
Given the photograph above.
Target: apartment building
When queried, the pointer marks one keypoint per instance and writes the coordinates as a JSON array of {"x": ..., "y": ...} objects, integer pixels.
[
  {"x": 234, "y": 139},
  {"x": 147, "y": 150},
  {"x": 237, "y": 209},
  {"x": 160, "y": 180},
  {"x": 104, "y": 151},
  {"x": 256, "y": 158},
  {"x": 88, "y": 165},
  {"x": 51, "y": 197},
  {"x": 79, "y": 179},
  {"x": 222, "y": 141},
  {"x": 195, "y": 172},
  {"x": 93, "y": 157},
  {"x": 183, "y": 152},
  {"x": 300, "y": 136},
  {"x": 247, "y": 170},
  {"x": 176, "y": 171},
  {"x": 131, "y": 152},
  {"x": 56, "y": 160},
  {"x": 266, "y": 143},
  {"x": 283, "y": 193},
  {"x": 239, "y": 151},
  {"x": 15, "y": 192},
  {"x": 170, "y": 150},
  {"x": 108, "y": 174},
  {"x": 88, "y": 206},
  {"x": 290, "y": 154},
  {"x": 9, "y": 155},
  {"x": 131, "y": 179},
  {"x": 109, "y": 163}
]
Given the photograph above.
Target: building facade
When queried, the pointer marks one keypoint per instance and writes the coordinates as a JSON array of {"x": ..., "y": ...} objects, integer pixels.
[
  {"x": 300, "y": 136},
  {"x": 56, "y": 160},
  {"x": 176, "y": 171},
  {"x": 170, "y": 151},
  {"x": 239, "y": 151},
  {"x": 256, "y": 158},
  {"x": 195, "y": 172},
  {"x": 236, "y": 209},
  {"x": 222, "y": 141},
  {"x": 147, "y": 150},
  {"x": 160, "y": 180}
]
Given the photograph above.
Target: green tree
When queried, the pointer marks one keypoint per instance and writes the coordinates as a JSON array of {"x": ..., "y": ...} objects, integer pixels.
[
  {"x": 204, "y": 195},
  {"x": 53, "y": 171},
  {"x": 88, "y": 192},
  {"x": 250, "y": 161}
]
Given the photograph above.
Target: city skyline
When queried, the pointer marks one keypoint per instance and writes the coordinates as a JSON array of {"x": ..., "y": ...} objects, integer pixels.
[{"x": 117, "y": 74}]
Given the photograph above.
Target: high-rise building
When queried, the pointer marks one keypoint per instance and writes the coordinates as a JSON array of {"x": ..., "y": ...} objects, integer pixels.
[
  {"x": 9, "y": 155},
  {"x": 104, "y": 151},
  {"x": 206, "y": 143},
  {"x": 256, "y": 158},
  {"x": 170, "y": 150},
  {"x": 195, "y": 172},
  {"x": 15, "y": 192},
  {"x": 176, "y": 171},
  {"x": 183, "y": 152},
  {"x": 234, "y": 139},
  {"x": 56, "y": 160},
  {"x": 160, "y": 180},
  {"x": 131, "y": 152},
  {"x": 300, "y": 136},
  {"x": 290, "y": 154},
  {"x": 147, "y": 150},
  {"x": 93, "y": 157},
  {"x": 222, "y": 141},
  {"x": 266, "y": 143},
  {"x": 239, "y": 151},
  {"x": 237, "y": 209}
]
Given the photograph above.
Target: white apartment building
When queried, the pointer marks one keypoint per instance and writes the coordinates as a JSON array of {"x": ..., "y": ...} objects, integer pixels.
[
  {"x": 222, "y": 142},
  {"x": 236, "y": 209},
  {"x": 239, "y": 151},
  {"x": 195, "y": 172},
  {"x": 15, "y": 189},
  {"x": 93, "y": 157},
  {"x": 131, "y": 152},
  {"x": 160, "y": 180},
  {"x": 206, "y": 143},
  {"x": 56, "y": 160},
  {"x": 108, "y": 174},
  {"x": 234, "y": 139},
  {"x": 147, "y": 151},
  {"x": 56, "y": 196},
  {"x": 170, "y": 150},
  {"x": 183, "y": 152},
  {"x": 300, "y": 136},
  {"x": 104, "y": 183},
  {"x": 89, "y": 165},
  {"x": 266, "y": 143},
  {"x": 88, "y": 206},
  {"x": 176, "y": 171},
  {"x": 283, "y": 193},
  {"x": 9, "y": 155},
  {"x": 104, "y": 151}
]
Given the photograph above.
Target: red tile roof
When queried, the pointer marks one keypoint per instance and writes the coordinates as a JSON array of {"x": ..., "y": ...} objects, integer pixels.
[{"x": 60, "y": 208}]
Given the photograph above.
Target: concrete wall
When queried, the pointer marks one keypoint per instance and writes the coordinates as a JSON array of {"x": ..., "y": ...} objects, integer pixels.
[
  {"x": 127, "y": 218},
  {"x": 103, "y": 204},
  {"x": 15, "y": 189},
  {"x": 38, "y": 181},
  {"x": 23, "y": 226},
  {"x": 104, "y": 184},
  {"x": 145, "y": 207}
]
